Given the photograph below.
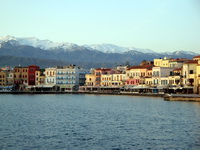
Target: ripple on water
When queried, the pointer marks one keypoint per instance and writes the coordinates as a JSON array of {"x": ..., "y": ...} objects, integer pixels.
[{"x": 97, "y": 122}]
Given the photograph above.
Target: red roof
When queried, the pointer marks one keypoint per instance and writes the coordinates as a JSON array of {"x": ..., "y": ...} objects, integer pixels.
[
  {"x": 179, "y": 59},
  {"x": 197, "y": 56},
  {"x": 191, "y": 62},
  {"x": 177, "y": 69},
  {"x": 140, "y": 67}
]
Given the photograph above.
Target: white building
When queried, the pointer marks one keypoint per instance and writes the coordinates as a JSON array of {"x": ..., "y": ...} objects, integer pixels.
[
  {"x": 159, "y": 75},
  {"x": 50, "y": 76},
  {"x": 188, "y": 72},
  {"x": 68, "y": 77}
]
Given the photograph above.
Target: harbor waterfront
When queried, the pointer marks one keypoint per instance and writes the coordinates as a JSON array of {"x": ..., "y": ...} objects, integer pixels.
[
  {"x": 160, "y": 76},
  {"x": 167, "y": 97},
  {"x": 77, "y": 121}
]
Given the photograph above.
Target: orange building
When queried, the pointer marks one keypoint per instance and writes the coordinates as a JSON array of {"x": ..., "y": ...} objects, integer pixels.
[
  {"x": 2, "y": 78},
  {"x": 20, "y": 75},
  {"x": 99, "y": 72}
]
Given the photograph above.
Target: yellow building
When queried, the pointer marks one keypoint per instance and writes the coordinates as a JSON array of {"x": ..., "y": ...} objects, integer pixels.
[
  {"x": 118, "y": 79},
  {"x": 50, "y": 76},
  {"x": 139, "y": 73},
  {"x": 197, "y": 76},
  {"x": 10, "y": 78},
  {"x": 21, "y": 75},
  {"x": 90, "y": 79},
  {"x": 162, "y": 62},
  {"x": 39, "y": 78},
  {"x": 197, "y": 80},
  {"x": 189, "y": 76},
  {"x": 175, "y": 77},
  {"x": 2, "y": 78},
  {"x": 148, "y": 81},
  {"x": 106, "y": 79},
  {"x": 158, "y": 62}
]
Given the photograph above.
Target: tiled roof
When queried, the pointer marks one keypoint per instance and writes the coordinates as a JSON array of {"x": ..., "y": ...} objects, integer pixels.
[
  {"x": 140, "y": 67},
  {"x": 197, "y": 56},
  {"x": 191, "y": 62},
  {"x": 177, "y": 69},
  {"x": 179, "y": 60}
]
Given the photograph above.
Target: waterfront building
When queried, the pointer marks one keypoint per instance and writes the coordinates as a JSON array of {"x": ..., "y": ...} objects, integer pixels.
[
  {"x": 39, "y": 77},
  {"x": 132, "y": 82},
  {"x": 162, "y": 62},
  {"x": 69, "y": 77},
  {"x": 31, "y": 74},
  {"x": 106, "y": 80},
  {"x": 188, "y": 72},
  {"x": 197, "y": 79},
  {"x": 10, "y": 77},
  {"x": 148, "y": 77},
  {"x": 90, "y": 79},
  {"x": 20, "y": 76},
  {"x": 50, "y": 76},
  {"x": 3, "y": 81},
  {"x": 99, "y": 72},
  {"x": 197, "y": 75},
  {"x": 177, "y": 63},
  {"x": 160, "y": 74},
  {"x": 148, "y": 81},
  {"x": 118, "y": 79},
  {"x": 136, "y": 74},
  {"x": 175, "y": 77}
]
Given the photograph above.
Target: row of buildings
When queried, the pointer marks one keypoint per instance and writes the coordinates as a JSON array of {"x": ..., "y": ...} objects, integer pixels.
[
  {"x": 160, "y": 75},
  {"x": 34, "y": 78}
]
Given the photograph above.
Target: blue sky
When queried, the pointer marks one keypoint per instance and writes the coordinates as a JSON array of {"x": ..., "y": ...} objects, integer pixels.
[{"x": 160, "y": 25}]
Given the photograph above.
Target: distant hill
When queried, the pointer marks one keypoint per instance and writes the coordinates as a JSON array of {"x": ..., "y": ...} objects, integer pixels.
[{"x": 23, "y": 61}]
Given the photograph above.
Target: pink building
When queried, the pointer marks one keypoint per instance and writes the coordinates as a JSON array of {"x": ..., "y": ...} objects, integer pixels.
[{"x": 132, "y": 81}]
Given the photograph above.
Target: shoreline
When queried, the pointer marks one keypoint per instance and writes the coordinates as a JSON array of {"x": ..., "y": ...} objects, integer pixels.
[
  {"x": 166, "y": 97},
  {"x": 79, "y": 92},
  {"x": 182, "y": 97}
]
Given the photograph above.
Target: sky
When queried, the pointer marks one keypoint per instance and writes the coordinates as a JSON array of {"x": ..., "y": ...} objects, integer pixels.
[{"x": 160, "y": 25}]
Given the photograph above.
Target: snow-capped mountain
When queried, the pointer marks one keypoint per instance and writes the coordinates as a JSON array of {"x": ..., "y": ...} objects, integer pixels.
[
  {"x": 107, "y": 48},
  {"x": 107, "y": 55},
  {"x": 64, "y": 46},
  {"x": 149, "y": 51},
  {"x": 42, "y": 44},
  {"x": 110, "y": 48},
  {"x": 180, "y": 52},
  {"x": 50, "y": 45}
]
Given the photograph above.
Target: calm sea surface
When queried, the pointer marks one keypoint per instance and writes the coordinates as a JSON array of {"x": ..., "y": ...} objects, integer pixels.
[{"x": 99, "y": 122}]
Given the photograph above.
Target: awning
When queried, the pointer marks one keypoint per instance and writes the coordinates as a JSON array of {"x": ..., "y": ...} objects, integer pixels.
[
  {"x": 162, "y": 87},
  {"x": 139, "y": 87}
]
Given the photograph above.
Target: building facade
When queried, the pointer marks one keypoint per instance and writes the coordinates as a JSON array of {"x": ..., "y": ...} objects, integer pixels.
[
  {"x": 3, "y": 81},
  {"x": 50, "y": 76},
  {"x": 68, "y": 77},
  {"x": 31, "y": 74},
  {"x": 20, "y": 76}
]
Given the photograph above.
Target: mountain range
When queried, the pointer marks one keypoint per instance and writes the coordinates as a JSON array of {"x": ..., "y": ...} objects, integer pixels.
[{"x": 45, "y": 52}]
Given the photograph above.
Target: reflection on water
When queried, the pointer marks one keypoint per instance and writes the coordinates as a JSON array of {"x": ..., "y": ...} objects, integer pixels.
[{"x": 97, "y": 122}]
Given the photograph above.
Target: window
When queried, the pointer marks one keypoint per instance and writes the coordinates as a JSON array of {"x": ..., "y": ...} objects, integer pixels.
[{"x": 191, "y": 72}]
